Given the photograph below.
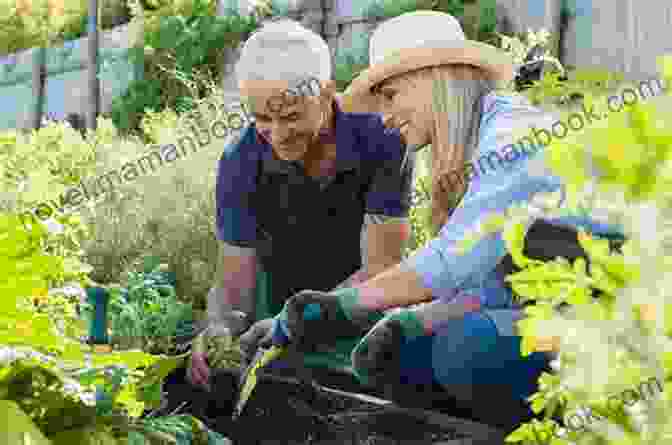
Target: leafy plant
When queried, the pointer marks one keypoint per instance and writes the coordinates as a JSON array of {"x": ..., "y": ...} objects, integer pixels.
[
  {"x": 420, "y": 213},
  {"x": 383, "y": 9},
  {"x": 142, "y": 96},
  {"x": 41, "y": 368},
  {"x": 487, "y": 23},
  {"x": 27, "y": 24},
  {"x": 146, "y": 314},
  {"x": 44, "y": 368},
  {"x": 184, "y": 41},
  {"x": 53, "y": 381},
  {"x": 350, "y": 61},
  {"x": 607, "y": 319},
  {"x": 557, "y": 89}
]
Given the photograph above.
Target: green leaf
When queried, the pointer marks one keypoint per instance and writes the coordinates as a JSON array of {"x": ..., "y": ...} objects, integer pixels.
[
  {"x": 520, "y": 434},
  {"x": 579, "y": 295}
]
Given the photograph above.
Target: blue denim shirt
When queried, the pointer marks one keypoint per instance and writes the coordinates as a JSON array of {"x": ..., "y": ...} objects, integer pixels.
[{"x": 450, "y": 275}]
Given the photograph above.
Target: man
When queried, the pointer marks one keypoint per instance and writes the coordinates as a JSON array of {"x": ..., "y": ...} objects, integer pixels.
[{"x": 308, "y": 197}]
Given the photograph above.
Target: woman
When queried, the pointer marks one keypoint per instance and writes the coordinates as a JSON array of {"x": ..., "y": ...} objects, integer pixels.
[{"x": 440, "y": 89}]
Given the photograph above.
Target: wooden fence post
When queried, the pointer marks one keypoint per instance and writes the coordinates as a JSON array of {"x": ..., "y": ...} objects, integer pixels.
[
  {"x": 94, "y": 82},
  {"x": 38, "y": 83}
]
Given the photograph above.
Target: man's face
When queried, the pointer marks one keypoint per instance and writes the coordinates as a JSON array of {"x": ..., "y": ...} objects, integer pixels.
[{"x": 287, "y": 120}]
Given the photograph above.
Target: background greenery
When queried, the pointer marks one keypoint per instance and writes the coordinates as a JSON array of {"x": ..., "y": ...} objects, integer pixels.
[
  {"x": 29, "y": 23},
  {"x": 169, "y": 215},
  {"x": 478, "y": 19}
]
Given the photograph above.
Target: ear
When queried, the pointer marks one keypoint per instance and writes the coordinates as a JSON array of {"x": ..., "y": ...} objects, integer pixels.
[
  {"x": 352, "y": 104},
  {"x": 329, "y": 86},
  {"x": 327, "y": 90}
]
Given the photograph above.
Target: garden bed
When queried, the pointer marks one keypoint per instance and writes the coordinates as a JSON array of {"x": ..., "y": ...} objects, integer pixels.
[{"x": 282, "y": 412}]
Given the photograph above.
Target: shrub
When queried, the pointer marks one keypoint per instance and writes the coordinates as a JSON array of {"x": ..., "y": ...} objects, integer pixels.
[
  {"x": 609, "y": 322},
  {"x": 145, "y": 313},
  {"x": 349, "y": 61},
  {"x": 384, "y": 9},
  {"x": 169, "y": 214},
  {"x": 27, "y": 24},
  {"x": 43, "y": 366},
  {"x": 555, "y": 90},
  {"x": 183, "y": 41}
]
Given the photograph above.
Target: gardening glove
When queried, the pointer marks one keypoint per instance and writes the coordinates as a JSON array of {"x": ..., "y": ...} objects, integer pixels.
[
  {"x": 259, "y": 335},
  {"x": 218, "y": 335},
  {"x": 376, "y": 359},
  {"x": 311, "y": 319}
]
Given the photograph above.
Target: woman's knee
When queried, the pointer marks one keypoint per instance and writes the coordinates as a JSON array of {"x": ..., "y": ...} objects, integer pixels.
[{"x": 479, "y": 350}]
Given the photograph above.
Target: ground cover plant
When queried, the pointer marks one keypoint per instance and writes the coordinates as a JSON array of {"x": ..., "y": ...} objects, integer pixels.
[
  {"x": 49, "y": 378},
  {"x": 52, "y": 388}
]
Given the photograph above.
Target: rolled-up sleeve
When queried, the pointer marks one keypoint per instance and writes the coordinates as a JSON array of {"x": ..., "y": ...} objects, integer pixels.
[
  {"x": 442, "y": 269},
  {"x": 236, "y": 221},
  {"x": 392, "y": 185},
  {"x": 445, "y": 271}
]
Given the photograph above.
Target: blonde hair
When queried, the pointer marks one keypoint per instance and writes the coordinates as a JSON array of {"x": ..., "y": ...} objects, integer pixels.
[{"x": 456, "y": 115}]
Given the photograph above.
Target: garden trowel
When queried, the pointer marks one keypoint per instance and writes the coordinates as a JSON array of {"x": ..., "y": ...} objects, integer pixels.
[{"x": 248, "y": 378}]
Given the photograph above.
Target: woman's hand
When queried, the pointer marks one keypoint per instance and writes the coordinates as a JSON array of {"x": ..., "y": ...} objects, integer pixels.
[
  {"x": 376, "y": 358},
  {"x": 311, "y": 319}
]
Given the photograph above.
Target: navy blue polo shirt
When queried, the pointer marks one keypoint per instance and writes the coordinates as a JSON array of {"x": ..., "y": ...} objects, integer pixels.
[{"x": 299, "y": 226}]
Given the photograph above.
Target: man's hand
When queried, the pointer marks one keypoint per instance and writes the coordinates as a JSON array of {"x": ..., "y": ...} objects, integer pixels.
[
  {"x": 259, "y": 335},
  {"x": 198, "y": 371},
  {"x": 311, "y": 319},
  {"x": 231, "y": 325}
]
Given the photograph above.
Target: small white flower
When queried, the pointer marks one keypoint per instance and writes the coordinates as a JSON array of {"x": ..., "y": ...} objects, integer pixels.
[
  {"x": 561, "y": 432},
  {"x": 89, "y": 399},
  {"x": 70, "y": 290},
  {"x": 53, "y": 226},
  {"x": 638, "y": 408},
  {"x": 7, "y": 355}
]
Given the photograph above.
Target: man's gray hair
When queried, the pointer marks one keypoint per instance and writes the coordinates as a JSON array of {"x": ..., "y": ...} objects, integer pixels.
[{"x": 284, "y": 50}]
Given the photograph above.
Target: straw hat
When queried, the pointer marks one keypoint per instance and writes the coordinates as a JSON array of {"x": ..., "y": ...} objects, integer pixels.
[{"x": 421, "y": 39}]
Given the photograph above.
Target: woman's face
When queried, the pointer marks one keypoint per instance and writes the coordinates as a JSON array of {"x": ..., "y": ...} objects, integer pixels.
[
  {"x": 401, "y": 102},
  {"x": 287, "y": 121}
]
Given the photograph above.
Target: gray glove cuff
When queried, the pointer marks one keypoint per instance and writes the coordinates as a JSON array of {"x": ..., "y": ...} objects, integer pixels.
[{"x": 219, "y": 313}]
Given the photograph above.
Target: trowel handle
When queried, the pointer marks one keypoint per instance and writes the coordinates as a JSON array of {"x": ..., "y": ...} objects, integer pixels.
[{"x": 280, "y": 336}]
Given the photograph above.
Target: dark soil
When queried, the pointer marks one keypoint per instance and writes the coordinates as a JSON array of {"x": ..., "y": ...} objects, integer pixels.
[{"x": 280, "y": 413}]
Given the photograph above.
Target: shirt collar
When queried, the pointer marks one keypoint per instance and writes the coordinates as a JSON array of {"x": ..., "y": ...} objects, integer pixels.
[{"x": 347, "y": 156}]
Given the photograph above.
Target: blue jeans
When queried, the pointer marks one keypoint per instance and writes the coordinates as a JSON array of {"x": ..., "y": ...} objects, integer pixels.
[{"x": 475, "y": 360}]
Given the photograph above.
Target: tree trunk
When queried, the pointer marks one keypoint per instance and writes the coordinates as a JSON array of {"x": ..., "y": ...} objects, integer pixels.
[{"x": 94, "y": 83}]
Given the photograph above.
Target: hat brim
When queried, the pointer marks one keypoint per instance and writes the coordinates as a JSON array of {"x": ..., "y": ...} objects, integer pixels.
[{"x": 497, "y": 65}]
